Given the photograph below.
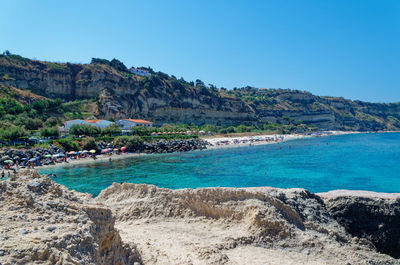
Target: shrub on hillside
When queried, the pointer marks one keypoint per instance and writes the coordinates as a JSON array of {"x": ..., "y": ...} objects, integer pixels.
[
  {"x": 84, "y": 129},
  {"x": 69, "y": 144},
  {"x": 29, "y": 123},
  {"x": 111, "y": 129},
  {"x": 51, "y": 122},
  {"x": 132, "y": 143},
  {"x": 140, "y": 130},
  {"x": 89, "y": 143},
  {"x": 50, "y": 132},
  {"x": 13, "y": 132}
]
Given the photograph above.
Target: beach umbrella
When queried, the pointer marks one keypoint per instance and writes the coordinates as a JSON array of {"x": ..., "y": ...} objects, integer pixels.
[
  {"x": 76, "y": 153},
  {"x": 8, "y": 162},
  {"x": 115, "y": 149},
  {"x": 48, "y": 155},
  {"x": 71, "y": 152},
  {"x": 24, "y": 158},
  {"x": 92, "y": 151},
  {"x": 57, "y": 155},
  {"x": 85, "y": 151},
  {"x": 123, "y": 148},
  {"x": 60, "y": 154},
  {"x": 106, "y": 150},
  {"x": 32, "y": 160}
]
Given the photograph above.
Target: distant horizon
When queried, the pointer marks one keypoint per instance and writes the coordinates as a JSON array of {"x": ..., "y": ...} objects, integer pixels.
[
  {"x": 264, "y": 87},
  {"x": 339, "y": 48}
]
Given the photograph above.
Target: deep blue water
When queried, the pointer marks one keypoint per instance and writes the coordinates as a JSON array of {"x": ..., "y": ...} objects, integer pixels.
[{"x": 360, "y": 161}]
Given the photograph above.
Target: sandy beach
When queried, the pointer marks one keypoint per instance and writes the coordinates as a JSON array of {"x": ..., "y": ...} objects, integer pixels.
[
  {"x": 216, "y": 142},
  {"x": 246, "y": 140}
]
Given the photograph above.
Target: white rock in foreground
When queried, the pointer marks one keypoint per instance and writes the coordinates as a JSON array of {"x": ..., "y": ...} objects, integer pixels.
[
  {"x": 233, "y": 226},
  {"x": 42, "y": 222}
]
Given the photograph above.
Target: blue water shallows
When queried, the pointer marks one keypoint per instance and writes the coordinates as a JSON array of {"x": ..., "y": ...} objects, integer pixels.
[{"x": 359, "y": 161}]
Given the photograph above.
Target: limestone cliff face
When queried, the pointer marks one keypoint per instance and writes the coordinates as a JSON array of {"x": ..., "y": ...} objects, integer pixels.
[
  {"x": 124, "y": 95},
  {"x": 165, "y": 99}
]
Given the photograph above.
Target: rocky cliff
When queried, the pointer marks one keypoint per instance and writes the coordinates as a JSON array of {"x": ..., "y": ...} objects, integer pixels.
[
  {"x": 372, "y": 217},
  {"x": 248, "y": 226},
  {"x": 166, "y": 99},
  {"x": 42, "y": 222}
]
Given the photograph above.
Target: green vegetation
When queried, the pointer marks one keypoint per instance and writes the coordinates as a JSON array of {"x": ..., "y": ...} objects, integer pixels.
[
  {"x": 114, "y": 63},
  {"x": 13, "y": 133},
  {"x": 50, "y": 132},
  {"x": 84, "y": 129},
  {"x": 111, "y": 130},
  {"x": 132, "y": 143},
  {"x": 68, "y": 144},
  {"x": 142, "y": 131},
  {"x": 56, "y": 67},
  {"x": 89, "y": 143}
]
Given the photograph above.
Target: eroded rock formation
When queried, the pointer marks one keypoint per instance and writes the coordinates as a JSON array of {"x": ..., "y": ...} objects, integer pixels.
[{"x": 42, "y": 222}]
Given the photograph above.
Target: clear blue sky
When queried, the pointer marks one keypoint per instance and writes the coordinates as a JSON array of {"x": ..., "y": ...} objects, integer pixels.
[{"x": 342, "y": 48}]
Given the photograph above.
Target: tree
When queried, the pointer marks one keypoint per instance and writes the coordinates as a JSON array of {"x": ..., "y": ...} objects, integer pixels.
[
  {"x": 140, "y": 130},
  {"x": 13, "y": 132},
  {"x": 51, "y": 122},
  {"x": 132, "y": 143},
  {"x": 241, "y": 128},
  {"x": 68, "y": 144},
  {"x": 199, "y": 82},
  {"x": 84, "y": 129},
  {"x": 50, "y": 132},
  {"x": 29, "y": 123},
  {"x": 111, "y": 129},
  {"x": 89, "y": 143},
  {"x": 118, "y": 65}
]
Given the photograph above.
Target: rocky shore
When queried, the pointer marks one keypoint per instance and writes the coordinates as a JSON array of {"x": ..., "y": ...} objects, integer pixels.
[
  {"x": 44, "y": 155},
  {"x": 42, "y": 222},
  {"x": 170, "y": 146}
]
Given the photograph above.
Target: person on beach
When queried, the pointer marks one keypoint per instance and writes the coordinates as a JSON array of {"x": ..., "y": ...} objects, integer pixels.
[
  {"x": 3, "y": 174},
  {"x": 9, "y": 174}
]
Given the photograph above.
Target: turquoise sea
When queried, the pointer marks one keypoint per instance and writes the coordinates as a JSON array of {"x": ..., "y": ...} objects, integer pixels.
[{"x": 355, "y": 162}]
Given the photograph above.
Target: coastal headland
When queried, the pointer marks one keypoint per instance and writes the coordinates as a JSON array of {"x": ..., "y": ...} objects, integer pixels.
[{"x": 143, "y": 224}]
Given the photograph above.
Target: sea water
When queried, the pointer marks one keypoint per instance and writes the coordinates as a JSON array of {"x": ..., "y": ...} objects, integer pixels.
[{"x": 355, "y": 162}]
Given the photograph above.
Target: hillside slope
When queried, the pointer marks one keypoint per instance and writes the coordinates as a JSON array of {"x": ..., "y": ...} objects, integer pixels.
[{"x": 166, "y": 99}]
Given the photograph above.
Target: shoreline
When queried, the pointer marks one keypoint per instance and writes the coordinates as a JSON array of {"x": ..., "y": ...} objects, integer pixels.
[
  {"x": 212, "y": 140},
  {"x": 280, "y": 138}
]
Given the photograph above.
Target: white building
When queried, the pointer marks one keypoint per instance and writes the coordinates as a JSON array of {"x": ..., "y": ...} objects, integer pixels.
[
  {"x": 97, "y": 123},
  {"x": 126, "y": 124},
  {"x": 137, "y": 71},
  {"x": 68, "y": 124}
]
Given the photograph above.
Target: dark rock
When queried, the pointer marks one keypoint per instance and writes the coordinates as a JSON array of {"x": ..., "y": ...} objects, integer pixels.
[
  {"x": 51, "y": 228},
  {"x": 34, "y": 186},
  {"x": 377, "y": 220}
]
